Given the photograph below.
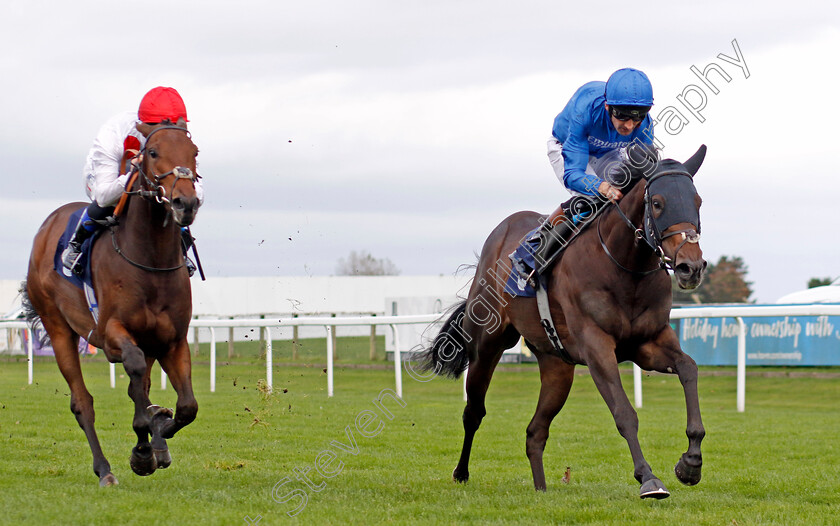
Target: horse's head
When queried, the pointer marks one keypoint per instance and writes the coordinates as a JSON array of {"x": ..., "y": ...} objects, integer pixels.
[
  {"x": 672, "y": 217},
  {"x": 169, "y": 168}
]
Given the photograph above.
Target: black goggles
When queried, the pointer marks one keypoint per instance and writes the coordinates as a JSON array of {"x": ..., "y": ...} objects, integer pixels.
[{"x": 626, "y": 113}]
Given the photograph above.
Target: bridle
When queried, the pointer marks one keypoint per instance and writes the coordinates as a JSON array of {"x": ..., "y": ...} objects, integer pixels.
[
  {"x": 153, "y": 189},
  {"x": 156, "y": 190},
  {"x": 651, "y": 230}
]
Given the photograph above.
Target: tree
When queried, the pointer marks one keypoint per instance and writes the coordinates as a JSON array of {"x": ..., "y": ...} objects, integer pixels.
[
  {"x": 724, "y": 282},
  {"x": 363, "y": 264},
  {"x": 818, "y": 282}
]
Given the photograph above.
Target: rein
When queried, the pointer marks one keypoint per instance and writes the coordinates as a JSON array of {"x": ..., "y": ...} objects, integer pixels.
[
  {"x": 139, "y": 265},
  {"x": 638, "y": 235}
]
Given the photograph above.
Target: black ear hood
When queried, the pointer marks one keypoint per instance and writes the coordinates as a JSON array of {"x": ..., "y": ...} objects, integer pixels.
[
  {"x": 694, "y": 162},
  {"x": 674, "y": 182},
  {"x": 677, "y": 189}
]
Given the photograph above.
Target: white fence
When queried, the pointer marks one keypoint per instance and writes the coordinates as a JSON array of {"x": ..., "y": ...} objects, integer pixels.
[{"x": 737, "y": 312}]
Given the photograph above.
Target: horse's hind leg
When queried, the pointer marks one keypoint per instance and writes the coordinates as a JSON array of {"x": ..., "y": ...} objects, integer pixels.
[
  {"x": 65, "y": 345},
  {"x": 478, "y": 380},
  {"x": 488, "y": 353},
  {"x": 556, "y": 378}
]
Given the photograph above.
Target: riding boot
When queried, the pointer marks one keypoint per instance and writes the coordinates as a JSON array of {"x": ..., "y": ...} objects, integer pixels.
[
  {"x": 556, "y": 231},
  {"x": 73, "y": 251},
  {"x": 186, "y": 243}
]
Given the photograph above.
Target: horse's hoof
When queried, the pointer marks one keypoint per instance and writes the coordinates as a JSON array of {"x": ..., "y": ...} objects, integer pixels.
[
  {"x": 108, "y": 480},
  {"x": 143, "y": 460},
  {"x": 457, "y": 476},
  {"x": 688, "y": 473},
  {"x": 163, "y": 458},
  {"x": 155, "y": 410},
  {"x": 654, "y": 489}
]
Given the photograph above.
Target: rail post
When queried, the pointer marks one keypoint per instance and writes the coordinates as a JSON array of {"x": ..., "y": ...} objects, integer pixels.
[
  {"x": 30, "y": 354},
  {"x": 295, "y": 344},
  {"x": 212, "y": 360},
  {"x": 637, "y": 385},
  {"x": 230, "y": 341},
  {"x": 373, "y": 340},
  {"x": 330, "y": 351},
  {"x": 742, "y": 365},
  {"x": 269, "y": 361},
  {"x": 397, "y": 361},
  {"x": 334, "y": 341}
]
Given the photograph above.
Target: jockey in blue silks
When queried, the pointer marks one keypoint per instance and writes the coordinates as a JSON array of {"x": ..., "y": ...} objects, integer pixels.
[{"x": 603, "y": 126}]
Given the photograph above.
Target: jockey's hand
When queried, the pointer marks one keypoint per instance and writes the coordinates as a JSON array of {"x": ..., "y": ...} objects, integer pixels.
[{"x": 609, "y": 191}]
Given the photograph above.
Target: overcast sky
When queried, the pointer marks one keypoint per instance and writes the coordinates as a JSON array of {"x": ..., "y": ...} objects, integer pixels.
[{"x": 410, "y": 129}]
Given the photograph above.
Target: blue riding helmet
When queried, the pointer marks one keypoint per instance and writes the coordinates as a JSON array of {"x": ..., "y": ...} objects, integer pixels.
[{"x": 629, "y": 87}]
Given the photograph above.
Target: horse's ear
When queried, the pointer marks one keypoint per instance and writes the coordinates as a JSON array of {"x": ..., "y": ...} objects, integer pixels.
[
  {"x": 144, "y": 128},
  {"x": 693, "y": 164},
  {"x": 182, "y": 123}
]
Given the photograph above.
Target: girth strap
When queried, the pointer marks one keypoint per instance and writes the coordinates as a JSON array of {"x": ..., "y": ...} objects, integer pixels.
[{"x": 547, "y": 323}]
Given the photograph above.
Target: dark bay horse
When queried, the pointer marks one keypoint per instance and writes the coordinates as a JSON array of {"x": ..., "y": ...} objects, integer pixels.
[
  {"x": 610, "y": 301},
  {"x": 143, "y": 291}
]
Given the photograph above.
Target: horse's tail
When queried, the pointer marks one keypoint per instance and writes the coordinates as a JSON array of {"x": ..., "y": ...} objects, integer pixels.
[
  {"x": 448, "y": 353},
  {"x": 31, "y": 315}
]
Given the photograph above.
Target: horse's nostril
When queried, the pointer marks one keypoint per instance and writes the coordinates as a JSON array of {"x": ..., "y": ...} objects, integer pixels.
[
  {"x": 683, "y": 268},
  {"x": 178, "y": 203}
]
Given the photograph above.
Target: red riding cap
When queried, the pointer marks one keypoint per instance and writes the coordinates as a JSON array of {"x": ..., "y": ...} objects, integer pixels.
[{"x": 160, "y": 104}]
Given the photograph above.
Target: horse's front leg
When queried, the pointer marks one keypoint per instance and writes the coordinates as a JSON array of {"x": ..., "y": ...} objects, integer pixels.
[
  {"x": 155, "y": 415},
  {"x": 134, "y": 361},
  {"x": 178, "y": 367},
  {"x": 599, "y": 353},
  {"x": 664, "y": 355}
]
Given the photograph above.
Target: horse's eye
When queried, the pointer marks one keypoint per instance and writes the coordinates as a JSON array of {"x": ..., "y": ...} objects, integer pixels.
[
  {"x": 153, "y": 154},
  {"x": 657, "y": 204}
]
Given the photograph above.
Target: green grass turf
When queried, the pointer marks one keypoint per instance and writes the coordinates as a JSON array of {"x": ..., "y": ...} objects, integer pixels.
[{"x": 777, "y": 463}]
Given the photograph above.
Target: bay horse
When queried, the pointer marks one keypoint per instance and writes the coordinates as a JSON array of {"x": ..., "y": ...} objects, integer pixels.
[
  {"x": 143, "y": 291},
  {"x": 610, "y": 300}
]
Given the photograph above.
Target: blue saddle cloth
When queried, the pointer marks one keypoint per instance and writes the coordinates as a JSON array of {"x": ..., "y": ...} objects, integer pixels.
[
  {"x": 515, "y": 285},
  {"x": 85, "y": 281},
  {"x": 75, "y": 279}
]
